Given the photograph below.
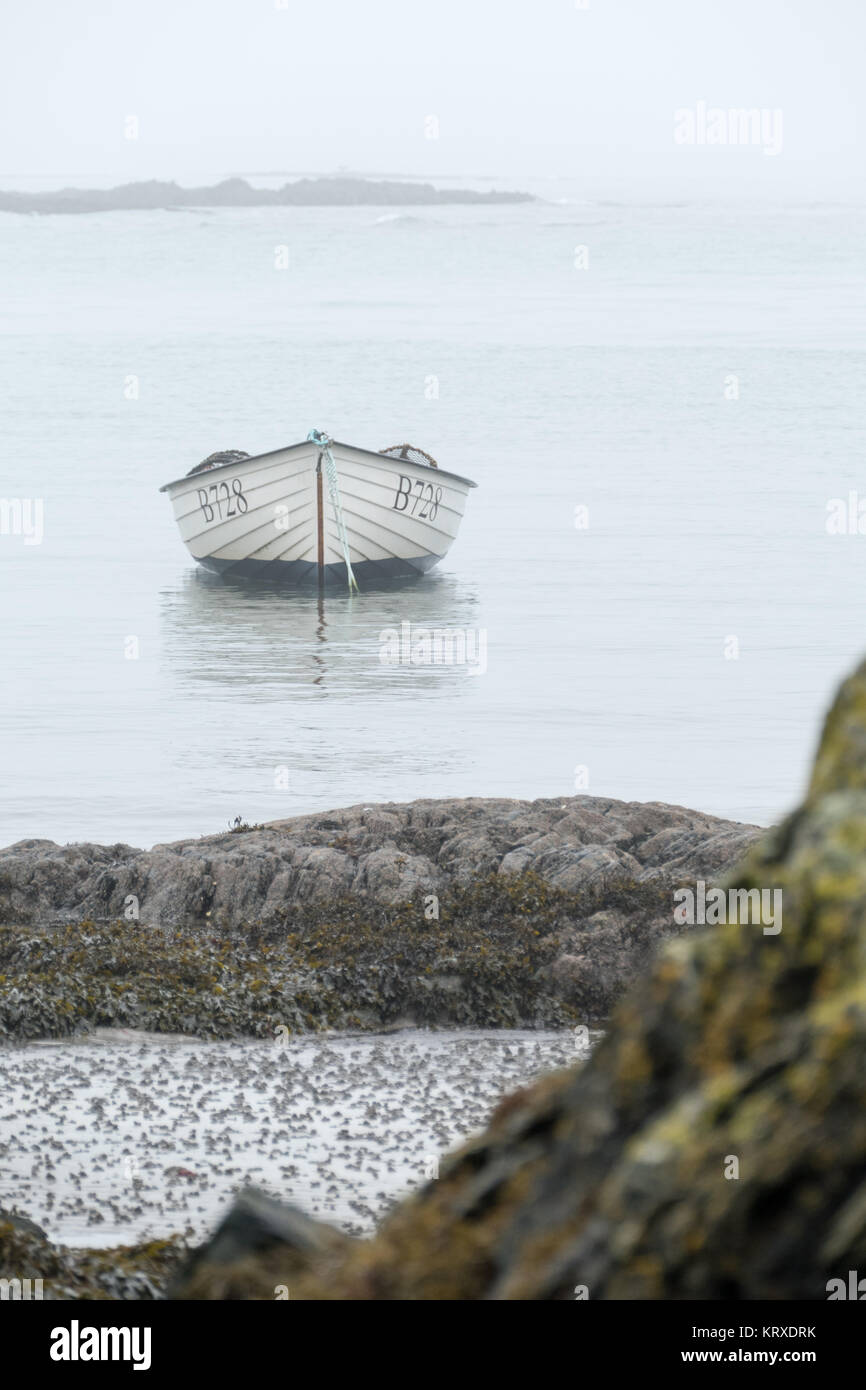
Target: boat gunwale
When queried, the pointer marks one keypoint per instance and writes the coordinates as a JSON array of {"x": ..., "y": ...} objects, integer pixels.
[{"x": 304, "y": 443}]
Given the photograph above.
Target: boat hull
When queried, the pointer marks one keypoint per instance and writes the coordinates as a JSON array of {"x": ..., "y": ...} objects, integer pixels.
[
  {"x": 333, "y": 576},
  {"x": 273, "y": 517}
]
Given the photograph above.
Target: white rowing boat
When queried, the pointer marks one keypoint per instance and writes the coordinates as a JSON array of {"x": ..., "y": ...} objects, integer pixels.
[{"x": 319, "y": 512}]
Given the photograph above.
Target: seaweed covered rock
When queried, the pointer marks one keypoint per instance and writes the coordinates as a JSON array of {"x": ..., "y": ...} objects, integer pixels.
[
  {"x": 460, "y": 913},
  {"x": 505, "y": 951},
  {"x": 119, "y": 1273},
  {"x": 714, "y": 1145}
]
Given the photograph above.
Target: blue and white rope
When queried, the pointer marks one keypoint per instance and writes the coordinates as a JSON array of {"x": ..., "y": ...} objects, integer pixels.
[{"x": 324, "y": 442}]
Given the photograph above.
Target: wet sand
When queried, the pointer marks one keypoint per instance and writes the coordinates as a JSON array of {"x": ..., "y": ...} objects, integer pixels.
[{"x": 128, "y": 1136}]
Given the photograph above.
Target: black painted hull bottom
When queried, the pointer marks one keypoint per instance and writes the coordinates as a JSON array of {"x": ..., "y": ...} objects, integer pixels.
[{"x": 303, "y": 574}]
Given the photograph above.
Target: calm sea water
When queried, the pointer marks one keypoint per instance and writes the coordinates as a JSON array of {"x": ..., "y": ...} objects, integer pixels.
[{"x": 473, "y": 333}]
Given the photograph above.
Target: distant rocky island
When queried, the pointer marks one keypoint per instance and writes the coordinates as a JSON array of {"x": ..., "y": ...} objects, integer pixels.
[{"x": 157, "y": 194}]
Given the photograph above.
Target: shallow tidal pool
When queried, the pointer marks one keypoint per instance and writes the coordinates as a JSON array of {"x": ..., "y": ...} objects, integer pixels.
[{"x": 126, "y": 1136}]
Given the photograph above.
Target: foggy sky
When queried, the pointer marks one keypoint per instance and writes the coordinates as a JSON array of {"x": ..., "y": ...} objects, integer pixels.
[{"x": 519, "y": 88}]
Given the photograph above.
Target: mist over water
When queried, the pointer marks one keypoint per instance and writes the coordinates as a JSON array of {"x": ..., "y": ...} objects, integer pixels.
[{"x": 474, "y": 333}]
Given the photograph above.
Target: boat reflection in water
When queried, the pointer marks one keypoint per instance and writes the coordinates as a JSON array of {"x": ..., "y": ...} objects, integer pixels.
[
  {"x": 276, "y": 703},
  {"x": 394, "y": 639}
]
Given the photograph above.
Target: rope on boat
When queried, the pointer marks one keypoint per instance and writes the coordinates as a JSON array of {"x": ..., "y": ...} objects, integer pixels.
[{"x": 324, "y": 442}]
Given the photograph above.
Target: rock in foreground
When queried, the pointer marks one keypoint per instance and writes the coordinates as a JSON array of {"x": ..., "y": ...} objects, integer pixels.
[{"x": 255, "y": 1230}]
